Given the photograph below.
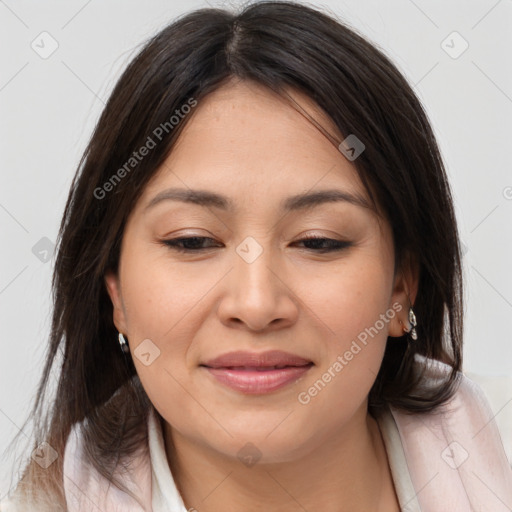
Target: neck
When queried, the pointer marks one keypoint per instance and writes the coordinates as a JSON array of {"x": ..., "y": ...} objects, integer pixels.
[{"x": 346, "y": 471}]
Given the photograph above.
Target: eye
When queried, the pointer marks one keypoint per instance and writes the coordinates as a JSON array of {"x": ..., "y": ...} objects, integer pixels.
[
  {"x": 322, "y": 244},
  {"x": 315, "y": 244},
  {"x": 187, "y": 244}
]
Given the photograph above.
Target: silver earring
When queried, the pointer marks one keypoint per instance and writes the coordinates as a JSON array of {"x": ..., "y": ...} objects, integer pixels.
[
  {"x": 412, "y": 321},
  {"x": 124, "y": 344}
]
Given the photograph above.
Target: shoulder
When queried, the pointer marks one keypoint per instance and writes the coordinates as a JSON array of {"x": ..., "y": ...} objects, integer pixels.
[
  {"x": 456, "y": 450},
  {"x": 469, "y": 404},
  {"x": 498, "y": 391},
  {"x": 83, "y": 481},
  {"x": 78, "y": 474},
  {"x": 466, "y": 414}
]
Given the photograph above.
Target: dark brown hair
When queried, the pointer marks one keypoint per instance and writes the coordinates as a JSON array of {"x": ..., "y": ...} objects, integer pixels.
[{"x": 282, "y": 46}]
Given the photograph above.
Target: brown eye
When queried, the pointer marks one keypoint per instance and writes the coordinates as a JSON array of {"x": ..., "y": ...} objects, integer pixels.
[
  {"x": 315, "y": 244},
  {"x": 321, "y": 244},
  {"x": 188, "y": 244}
]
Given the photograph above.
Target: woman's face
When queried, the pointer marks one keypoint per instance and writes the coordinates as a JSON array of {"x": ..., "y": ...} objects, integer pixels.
[{"x": 248, "y": 282}]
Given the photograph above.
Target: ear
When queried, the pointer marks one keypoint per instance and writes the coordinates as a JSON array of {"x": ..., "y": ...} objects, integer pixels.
[
  {"x": 405, "y": 289},
  {"x": 114, "y": 291}
]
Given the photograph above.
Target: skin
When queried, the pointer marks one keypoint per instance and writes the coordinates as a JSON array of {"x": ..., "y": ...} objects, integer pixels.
[{"x": 246, "y": 143}]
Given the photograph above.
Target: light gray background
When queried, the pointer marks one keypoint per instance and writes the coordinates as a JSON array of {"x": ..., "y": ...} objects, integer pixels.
[{"x": 48, "y": 108}]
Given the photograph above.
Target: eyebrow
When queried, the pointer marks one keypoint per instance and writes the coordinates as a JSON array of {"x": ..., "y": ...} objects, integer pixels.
[{"x": 304, "y": 201}]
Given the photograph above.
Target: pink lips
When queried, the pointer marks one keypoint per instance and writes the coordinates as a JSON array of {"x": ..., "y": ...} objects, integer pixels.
[{"x": 254, "y": 373}]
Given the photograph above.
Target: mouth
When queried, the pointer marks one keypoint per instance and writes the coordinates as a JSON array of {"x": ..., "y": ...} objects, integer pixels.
[
  {"x": 256, "y": 368},
  {"x": 252, "y": 373}
]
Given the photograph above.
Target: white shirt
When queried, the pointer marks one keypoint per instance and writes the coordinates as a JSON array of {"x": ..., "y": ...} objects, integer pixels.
[{"x": 166, "y": 497}]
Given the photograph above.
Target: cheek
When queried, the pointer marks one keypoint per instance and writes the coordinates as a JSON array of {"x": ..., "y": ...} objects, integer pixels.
[
  {"x": 351, "y": 297},
  {"x": 160, "y": 297},
  {"x": 166, "y": 305},
  {"x": 156, "y": 302},
  {"x": 353, "y": 306}
]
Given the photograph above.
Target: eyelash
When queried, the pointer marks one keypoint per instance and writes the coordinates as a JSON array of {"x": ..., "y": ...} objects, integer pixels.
[{"x": 335, "y": 245}]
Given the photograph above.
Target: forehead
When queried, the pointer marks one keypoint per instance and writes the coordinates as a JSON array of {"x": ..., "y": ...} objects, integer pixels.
[{"x": 252, "y": 144}]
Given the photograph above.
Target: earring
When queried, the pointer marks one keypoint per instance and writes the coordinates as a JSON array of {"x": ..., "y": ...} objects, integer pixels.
[
  {"x": 124, "y": 344},
  {"x": 413, "y": 322}
]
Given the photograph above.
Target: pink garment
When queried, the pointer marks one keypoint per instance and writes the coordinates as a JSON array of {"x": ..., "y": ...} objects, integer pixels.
[{"x": 455, "y": 458}]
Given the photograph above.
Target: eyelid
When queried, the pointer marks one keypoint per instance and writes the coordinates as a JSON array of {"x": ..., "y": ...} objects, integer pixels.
[{"x": 335, "y": 244}]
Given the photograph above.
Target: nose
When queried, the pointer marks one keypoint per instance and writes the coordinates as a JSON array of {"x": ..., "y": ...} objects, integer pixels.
[{"x": 259, "y": 294}]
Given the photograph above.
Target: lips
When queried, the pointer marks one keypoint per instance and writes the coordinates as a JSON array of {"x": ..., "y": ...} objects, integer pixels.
[
  {"x": 253, "y": 373},
  {"x": 260, "y": 361}
]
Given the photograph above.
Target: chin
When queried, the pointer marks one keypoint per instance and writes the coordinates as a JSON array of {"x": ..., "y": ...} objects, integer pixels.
[{"x": 258, "y": 446}]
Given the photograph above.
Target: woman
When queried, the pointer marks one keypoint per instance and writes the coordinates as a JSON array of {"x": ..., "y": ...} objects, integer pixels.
[{"x": 258, "y": 292}]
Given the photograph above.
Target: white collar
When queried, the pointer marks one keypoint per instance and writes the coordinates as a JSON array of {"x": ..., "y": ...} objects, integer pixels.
[{"x": 165, "y": 495}]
